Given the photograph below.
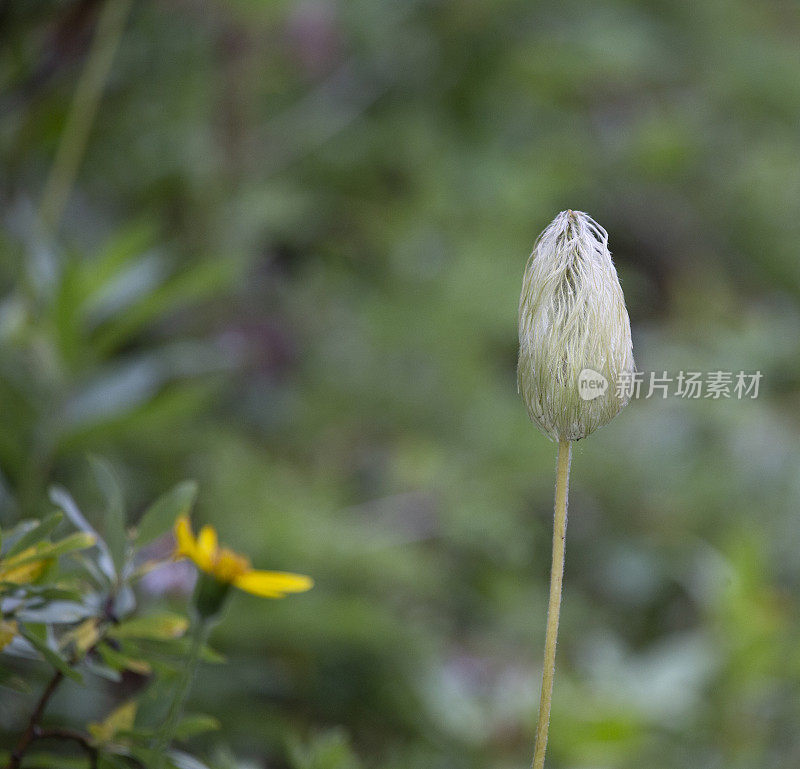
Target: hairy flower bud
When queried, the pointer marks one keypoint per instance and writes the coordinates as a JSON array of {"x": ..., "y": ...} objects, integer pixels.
[{"x": 575, "y": 347}]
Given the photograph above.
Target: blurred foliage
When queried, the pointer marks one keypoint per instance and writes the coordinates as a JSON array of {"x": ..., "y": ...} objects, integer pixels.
[
  {"x": 83, "y": 622},
  {"x": 290, "y": 266}
]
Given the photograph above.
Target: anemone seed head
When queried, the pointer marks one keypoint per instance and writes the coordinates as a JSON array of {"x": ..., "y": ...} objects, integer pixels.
[{"x": 572, "y": 318}]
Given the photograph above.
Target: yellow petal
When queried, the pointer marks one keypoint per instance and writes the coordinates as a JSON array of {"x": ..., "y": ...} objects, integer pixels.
[
  {"x": 189, "y": 546},
  {"x": 273, "y": 584},
  {"x": 207, "y": 546},
  {"x": 184, "y": 538}
]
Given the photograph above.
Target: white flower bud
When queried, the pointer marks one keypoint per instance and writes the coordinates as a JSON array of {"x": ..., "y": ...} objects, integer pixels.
[{"x": 573, "y": 325}]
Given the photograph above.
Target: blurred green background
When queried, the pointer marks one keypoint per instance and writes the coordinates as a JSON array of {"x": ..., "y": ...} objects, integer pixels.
[{"x": 289, "y": 265}]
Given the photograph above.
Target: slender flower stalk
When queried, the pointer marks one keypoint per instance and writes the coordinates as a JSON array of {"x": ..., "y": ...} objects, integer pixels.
[
  {"x": 200, "y": 630},
  {"x": 554, "y": 606},
  {"x": 575, "y": 352}
]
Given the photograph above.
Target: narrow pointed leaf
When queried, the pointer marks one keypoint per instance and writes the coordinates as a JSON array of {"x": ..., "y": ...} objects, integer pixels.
[
  {"x": 114, "y": 522},
  {"x": 61, "y": 498},
  {"x": 165, "y": 626},
  {"x": 37, "y": 533},
  {"x": 55, "y": 659}
]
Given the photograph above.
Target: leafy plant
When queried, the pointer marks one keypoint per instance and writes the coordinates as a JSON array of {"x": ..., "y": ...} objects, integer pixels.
[
  {"x": 325, "y": 750},
  {"x": 72, "y": 604}
]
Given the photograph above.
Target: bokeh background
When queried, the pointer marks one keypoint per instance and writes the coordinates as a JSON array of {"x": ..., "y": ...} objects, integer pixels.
[{"x": 288, "y": 266}]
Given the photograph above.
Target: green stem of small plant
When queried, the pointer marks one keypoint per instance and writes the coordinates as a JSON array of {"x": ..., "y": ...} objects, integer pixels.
[
  {"x": 554, "y": 606},
  {"x": 83, "y": 109},
  {"x": 166, "y": 732}
]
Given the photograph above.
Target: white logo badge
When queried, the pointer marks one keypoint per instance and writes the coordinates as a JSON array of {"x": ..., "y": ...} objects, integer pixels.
[{"x": 591, "y": 384}]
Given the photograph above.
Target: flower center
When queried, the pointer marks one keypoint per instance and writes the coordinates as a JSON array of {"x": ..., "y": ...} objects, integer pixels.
[{"x": 228, "y": 565}]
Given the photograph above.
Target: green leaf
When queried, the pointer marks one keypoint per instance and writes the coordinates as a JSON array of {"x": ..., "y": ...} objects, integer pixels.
[
  {"x": 61, "y": 497},
  {"x": 196, "y": 723},
  {"x": 135, "y": 738},
  {"x": 326, "y": 750},
  {"x": 181, "y": 760},
  {"x": 114, "y": 526},
  {"x": 180, "y": 291},
  {"x": 53, "y": 657},
  {"x": 8, "y": 630},
  {"x": 20, "y": 530},
  {"x": 120, "y": 719},
  {"x": 101, "y": 671},
  {"x": 77, "y": 541},
  {"x": 57, "y": 613},
  {"x": 92, "y": 569},
  {"x": 43, "y": 760},
  {"x": 161, "y": 515},
  {"x": 180, "y": 648},
  {"x": 37, "y": 533},
  {"x": 80, "y": 540},
  {"x": 166, "y": 657},
  {"x": 120, "y": 661},
  {"x": 159, "y": 627},
  {"x": 125, "y": 246},
  {"x": 10, "y": 680},
  {"x": 110, "y": 761},
  {"x": 143, "y": 754},
  {"x": 50, "y": 593}
]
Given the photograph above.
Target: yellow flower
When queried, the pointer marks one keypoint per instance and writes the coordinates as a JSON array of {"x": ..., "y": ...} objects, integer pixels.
[{"x": 231, "y": 568}]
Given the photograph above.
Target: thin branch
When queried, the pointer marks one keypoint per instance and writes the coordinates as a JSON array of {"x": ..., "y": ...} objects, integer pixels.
[
  {"x": 74, "y": 736},
  {"x": 29, "y": 735}
]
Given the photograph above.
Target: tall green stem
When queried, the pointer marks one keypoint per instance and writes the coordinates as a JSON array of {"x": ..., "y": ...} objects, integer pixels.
[
  {"x": 166, "y": 732},
  {"x": 554, "y": 606},
  {"x": 69, "y": 154},
  {"x": 83, "y": 109}
]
